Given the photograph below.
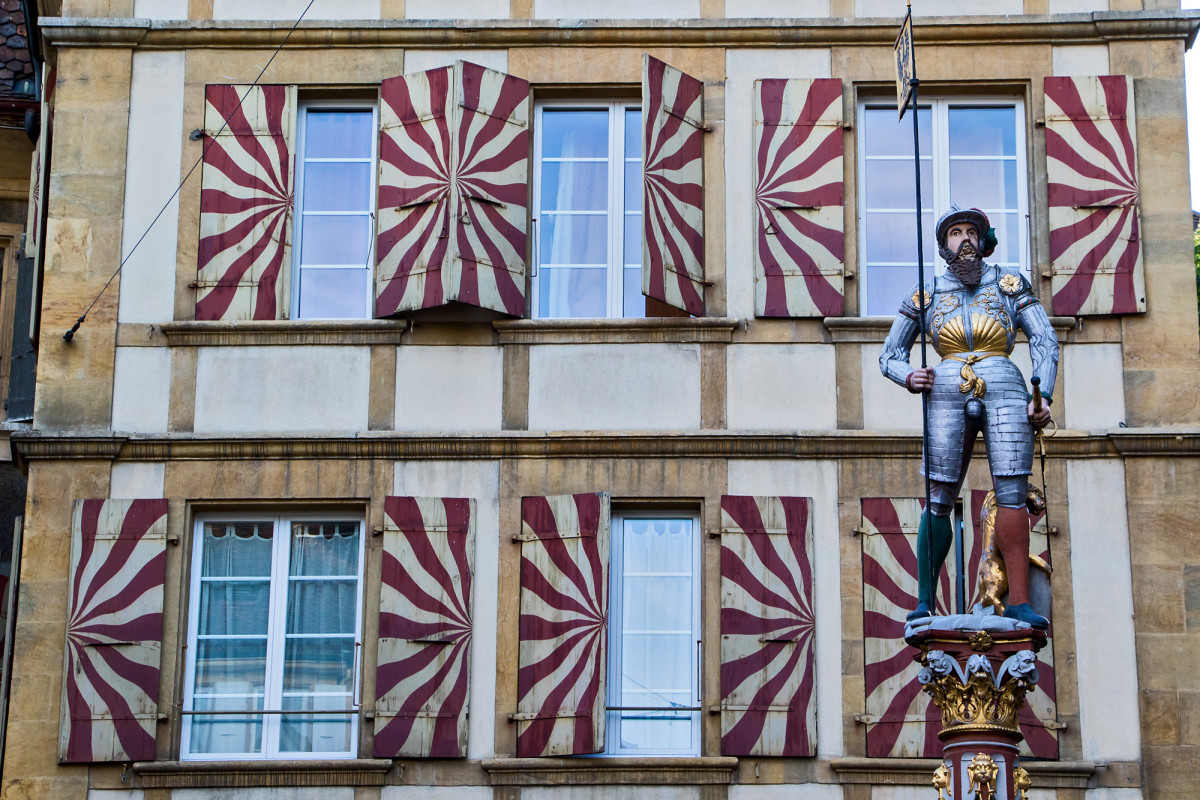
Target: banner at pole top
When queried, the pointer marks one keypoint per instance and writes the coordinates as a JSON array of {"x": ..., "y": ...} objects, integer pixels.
[{"x": 905, "y": 66}]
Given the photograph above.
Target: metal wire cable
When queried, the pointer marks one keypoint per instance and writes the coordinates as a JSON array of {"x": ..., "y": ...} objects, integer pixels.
[{"x": 70, "y": 334}]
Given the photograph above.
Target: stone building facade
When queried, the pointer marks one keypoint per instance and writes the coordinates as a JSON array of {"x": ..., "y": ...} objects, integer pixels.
[{"x": 371, "y": 475}]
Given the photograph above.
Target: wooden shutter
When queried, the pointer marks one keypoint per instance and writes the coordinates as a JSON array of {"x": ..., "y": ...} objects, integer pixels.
[
  {"x": 38, "y": 172},
  {"x": 1092, "y": 192},
  {"x": 903, "y": 721},
  {"x": 561, "y": 691},
  {"x": 767, "y": 626},
  {"x": 245, "y": 248},
  {"x": 799, "y": 249},
  {"x": 114, "y": 631},
  {"x": 424, "y": 664},
  {"x": 673, "y": 172},
  {"x": 453, "y": 190},
  {"x": 1039, "y": 717}
]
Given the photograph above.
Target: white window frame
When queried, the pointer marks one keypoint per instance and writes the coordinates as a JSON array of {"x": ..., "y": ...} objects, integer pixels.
[
  {"x": 616, "y": 199},
  {"x": 936, "y": 198},
  {"x": 276, "y": 636},
  {"x": 615, "y": 633},
  {"x": 298, "y": 212}
]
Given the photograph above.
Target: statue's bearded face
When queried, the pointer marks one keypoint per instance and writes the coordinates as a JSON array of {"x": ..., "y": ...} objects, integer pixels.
[{"x": 961, "y": 252}]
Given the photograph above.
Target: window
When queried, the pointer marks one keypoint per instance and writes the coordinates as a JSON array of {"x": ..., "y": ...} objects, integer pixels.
[
  {"x": 588, "y": 211},
  {"x": 654, "y": 635},
  {"x": 335, "y": 198},
  {"x": 972, "y": 153},
  {"x": 273, "y": 644}
]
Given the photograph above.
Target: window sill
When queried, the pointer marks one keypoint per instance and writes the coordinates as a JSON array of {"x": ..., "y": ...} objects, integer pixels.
[
  {"x": 916, "y": 772},
  {"x": 283, "y": 332},
  {"x": 653, "y": 330},
  {"x": 875, "y": 329},
  {"x": 648, "y": 771},
  {"x": 239, "y": 774}
]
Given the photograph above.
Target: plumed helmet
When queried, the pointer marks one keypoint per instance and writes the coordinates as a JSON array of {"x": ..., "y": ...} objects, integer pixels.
[{"x": 987, "y": 234}]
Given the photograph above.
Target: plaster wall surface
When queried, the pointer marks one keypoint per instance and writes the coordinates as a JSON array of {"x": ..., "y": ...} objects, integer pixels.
[
  {"x": 781, "y": 387},
  {"x": 134, "y": 479},
  {"x": 616, "y": 9},
  {"x": 291, "y": 9},
  {"x": 1086, "y": 59},
  {"x": 887, "y": 406},
  {"x": 461, "y": 9},
  {"x": 269, "y": 389},
  {"x": 274, "y": 793},
  {"x": 449, "y": 388},
  {"x": 115, "y": 794},
  {"x": 1100, "y": 568},
  {"x": 1077, "y": 6},
  {"x": 614, "y": 387},
  {"x": 436, "y": 793},
  {"x": 141, "y": 389},
  {"x": 610, "y": 793},
  {"x": 742, "y": 68},
  {"x": 938, "y": 8},
  {"x": 161, "y": 9},
  {"x": 1113, "y": 794},
  {"x": 785, "y": 792},
  {"x": 818, "y": 480},
  {"x": 769, "y": 9},
  {"x": 421, "y": 60},
  {"x": 1093, "y": 375},
  {"x": 481, "y": 481}
]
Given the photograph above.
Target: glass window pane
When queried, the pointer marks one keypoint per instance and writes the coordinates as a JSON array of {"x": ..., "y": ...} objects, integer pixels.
[
  {"x": 337, "y": 187},
  {"x": 632, "y": 297},
  {"x": 237, "y": 549},
  {"x": 633, "y": 133},
  {"x": 335, "y": 240},
  {"x": 657, "y": 670},
  {"x": 325, "y": 548},
  {"x": 333, "y": 293},
  {"x": 234, "y": 608},
  {"x": 315, "y": 733},
  {"x": 231, "y": 666},
  {"x": 893, "y": 238},
  {"x": 226, "y": 734},
  {"x": 574, "y": 133},
  {"x": 322, "y": 606},
  {"x": 574, "y": 239},
  {"x": 889, "y": 286},
  {"x": 575, "y": 186},
  {"x": 984, "y": 184},
  {"x": 657, "y": 545},
  {"x": 318, "y": 665},
  {"x": 892, "y": 184},
  {"x": 338, "y": 134},
  {"x": 656, "y": 730},
  {"x": 633, "y": 240},
  {"x": 885, "y": 135},
  {"x": 1008, "y": 251},
  {"x": 633, "y": 186},
  {"x": 579, "y": 292},
  {"x": 981, "y": 130}
]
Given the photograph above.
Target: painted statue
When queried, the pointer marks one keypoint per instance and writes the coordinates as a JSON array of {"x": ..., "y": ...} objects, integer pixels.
[{"x": 972, "y": 315}]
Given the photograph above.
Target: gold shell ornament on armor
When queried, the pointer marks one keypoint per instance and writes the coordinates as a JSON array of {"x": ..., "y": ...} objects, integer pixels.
[
  {"x": 1010, "y": 284},
  {"x": 916, "y": 299}
]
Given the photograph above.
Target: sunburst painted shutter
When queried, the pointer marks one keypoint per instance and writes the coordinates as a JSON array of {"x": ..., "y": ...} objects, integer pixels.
[
  {"x": 903, "y": 721},
  {"x": 1092, "y": 191},
  {"x": 245, "y": 247},
  {"x": 673, "y": 172},
  {"x": 561, "y": 689},
  {"x": 1038, "y": 719},
  {"x": 767, "y": 626},
  {"x": 424, "y": 664},
  {"x": 453, "y": 190},
  {"x": 114, "y": 631},
  {"x": 799, "y": 249}
]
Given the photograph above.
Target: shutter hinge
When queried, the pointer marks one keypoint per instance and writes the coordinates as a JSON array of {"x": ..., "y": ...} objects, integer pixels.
[
  {"x": 193, "y": 285},
  {"x": 377, "y": 531},
  {"x": 714, "y": 709},
  {"x": 861, "y": 531},
  {"x": 173, "y": 540},
  {"x": 866, "y": 719},
  {"x": 714, "y": 534},
  {"x": 1053, "y": 725},
  {"x": 1039, "y": 123}
]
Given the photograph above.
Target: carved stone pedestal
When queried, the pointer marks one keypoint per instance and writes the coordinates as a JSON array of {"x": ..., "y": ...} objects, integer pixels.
[{"x": 978, "y": 679}]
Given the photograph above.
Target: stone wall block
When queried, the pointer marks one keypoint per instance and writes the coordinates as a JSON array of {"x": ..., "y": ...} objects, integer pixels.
[
  {"x": 1160, "y": 717},
  {"x": 1159, "y": 598},
  {"x": 1191, "y": 597}
]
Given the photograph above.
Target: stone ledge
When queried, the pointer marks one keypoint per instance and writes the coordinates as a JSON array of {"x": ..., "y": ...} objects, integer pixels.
[
  {"x": 245, "y": 774},
  {"x": 648, "y": 771},
  {"x": 247, "y": 333},
  {"x": 917, "y": 772},
  {"x": 676, "y": 330}
]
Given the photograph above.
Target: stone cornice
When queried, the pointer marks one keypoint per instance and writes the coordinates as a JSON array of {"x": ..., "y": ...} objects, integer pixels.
[
  {"x": 916, "y": 772},
  {"x": 239, "y": 774},
  {"x": 1098, "y": 27},
  {"x": 285, "y": 332},
  {"x": 678, "y": 330},
  {"x": 523, "y": 444},
  {"x": 609, "y": 771}
]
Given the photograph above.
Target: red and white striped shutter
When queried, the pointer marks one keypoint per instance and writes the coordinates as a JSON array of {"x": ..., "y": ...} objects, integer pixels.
[
  {"x": 903, "y": 719},
  {"x": 673, "y": 172},
  {"x": 767, "y": 626},
  {"x": 415, "y": 167},
  {"x": 799, "y": 249},
  {"x": 492, "y": 183},
  {"x": 423, "y": 676},
  {"x": 1092, "y": 191},
  {"x": 462, "y": 239},
  {"x": 1038, "y": 719},
  {"x": 114, "y": 631},
  {"x": 561, "y": 689},
  {"x": 245, "y": 247}
]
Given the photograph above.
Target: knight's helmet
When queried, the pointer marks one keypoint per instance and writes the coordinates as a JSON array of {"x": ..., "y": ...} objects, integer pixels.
[{"x": 956, "y": 213}]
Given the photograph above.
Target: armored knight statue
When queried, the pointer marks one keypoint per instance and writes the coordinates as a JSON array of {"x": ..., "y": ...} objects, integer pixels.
[{"x": 972, "y": 314}]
